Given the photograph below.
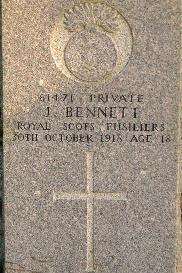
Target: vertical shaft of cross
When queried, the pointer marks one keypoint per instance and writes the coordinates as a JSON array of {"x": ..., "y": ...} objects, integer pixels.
[{"x": 90, "y": 212}]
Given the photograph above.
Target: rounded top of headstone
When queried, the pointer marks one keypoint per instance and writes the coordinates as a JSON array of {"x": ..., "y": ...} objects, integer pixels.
[{"x": 91, "y": 42}]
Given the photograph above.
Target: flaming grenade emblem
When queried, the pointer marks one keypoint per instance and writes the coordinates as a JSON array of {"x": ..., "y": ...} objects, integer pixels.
[
  {"x": 90, "y": 54},
  {"x": 91, "y": 42}
]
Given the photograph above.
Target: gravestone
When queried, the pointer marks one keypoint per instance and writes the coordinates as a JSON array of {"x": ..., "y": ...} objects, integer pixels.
[{"x": 91, "y": 110}]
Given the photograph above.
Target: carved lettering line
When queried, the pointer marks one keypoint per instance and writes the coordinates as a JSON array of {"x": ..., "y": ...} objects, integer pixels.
[{"x": 10, "y": 266}]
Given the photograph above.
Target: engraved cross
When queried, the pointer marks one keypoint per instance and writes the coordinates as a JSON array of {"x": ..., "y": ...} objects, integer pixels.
[{"x": 90, "y": 196}]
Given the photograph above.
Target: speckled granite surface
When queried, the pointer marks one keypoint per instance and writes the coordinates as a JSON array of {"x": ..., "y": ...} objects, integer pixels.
[
  {"x": 91, "y": 108},
  {"x": 1, "y": 217},
  {"x": 1, "y": 155}
]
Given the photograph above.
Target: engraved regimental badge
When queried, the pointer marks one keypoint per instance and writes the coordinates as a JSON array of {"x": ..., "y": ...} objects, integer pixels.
[{"x": 91, "y": 42}]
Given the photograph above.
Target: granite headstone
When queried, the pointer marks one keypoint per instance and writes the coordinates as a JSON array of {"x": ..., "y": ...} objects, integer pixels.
[{"x": 91, "y": 120}]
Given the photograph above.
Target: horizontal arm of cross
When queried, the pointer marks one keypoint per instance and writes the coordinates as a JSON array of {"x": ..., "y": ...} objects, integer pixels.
[{"x": 115, "y": 196}]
